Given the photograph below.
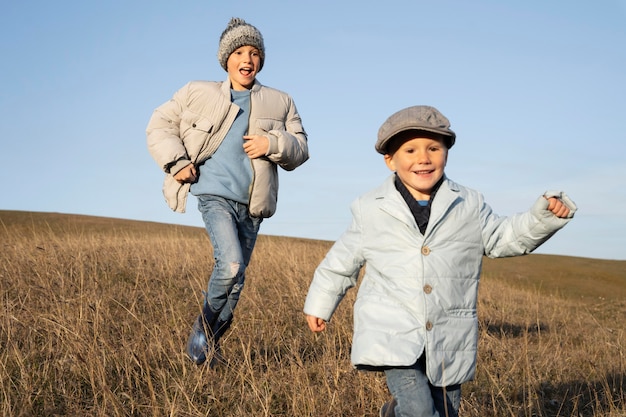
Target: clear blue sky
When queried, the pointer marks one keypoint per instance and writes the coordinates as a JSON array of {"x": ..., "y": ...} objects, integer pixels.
[{"x": 535, "y": 90}]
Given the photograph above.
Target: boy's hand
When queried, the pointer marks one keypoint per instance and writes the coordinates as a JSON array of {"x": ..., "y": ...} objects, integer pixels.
[
  {"x": 187, "y": 174},
  {"x": 315, "y": 323},
  {"x": 557, "y": 207},
  {"x": 256, "y": 145}
]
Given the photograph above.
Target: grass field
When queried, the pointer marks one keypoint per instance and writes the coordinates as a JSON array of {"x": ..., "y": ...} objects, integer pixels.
[{"x": 96, "y": 311}]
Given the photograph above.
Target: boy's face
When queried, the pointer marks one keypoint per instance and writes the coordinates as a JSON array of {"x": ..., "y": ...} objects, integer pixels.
[
  {"x": 243, "y": 65},
  {"x": 419, "y": 162}
]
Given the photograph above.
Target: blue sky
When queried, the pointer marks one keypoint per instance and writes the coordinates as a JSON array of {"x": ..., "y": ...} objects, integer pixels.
[{"x": 535, "y": 90}]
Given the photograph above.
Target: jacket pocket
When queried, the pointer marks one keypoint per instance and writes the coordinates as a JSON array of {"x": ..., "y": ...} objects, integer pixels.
[
  {"x": 265, "y": 125},
  {"x": 193, "y": 122},
  {"x": 195, "y": 131}
]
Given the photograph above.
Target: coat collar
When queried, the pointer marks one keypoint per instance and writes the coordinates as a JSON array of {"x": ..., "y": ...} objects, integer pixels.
[
  {"x": 392, "y": 202},
  {"x": 444, "y": 199},
  {"x": 226, "y": 87}
]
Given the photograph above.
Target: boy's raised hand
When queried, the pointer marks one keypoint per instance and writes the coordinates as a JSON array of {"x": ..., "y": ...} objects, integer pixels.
[
  {"x": 315, "y": 323},
  {"x": 556, "y": 206}
]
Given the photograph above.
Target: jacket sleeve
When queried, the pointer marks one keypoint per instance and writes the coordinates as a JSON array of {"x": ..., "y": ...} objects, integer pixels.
[
  {"x": 337, "y": 273},
  {"x": 163, "y": 133},
  {"x": 289, "y": 148},
  {"x": 524, "y": 232}
]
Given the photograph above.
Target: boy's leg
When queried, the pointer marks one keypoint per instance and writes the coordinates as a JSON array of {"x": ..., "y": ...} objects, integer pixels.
[
  {"x": 247, "y": 232},
  {"x": 233, "y": 235},
  {"x": 412, "y": 391},
  {"x": 447, "y": 400}
]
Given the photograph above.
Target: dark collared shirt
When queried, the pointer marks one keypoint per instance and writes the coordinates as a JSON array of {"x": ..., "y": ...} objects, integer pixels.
[{"x": 420, "y": 212}]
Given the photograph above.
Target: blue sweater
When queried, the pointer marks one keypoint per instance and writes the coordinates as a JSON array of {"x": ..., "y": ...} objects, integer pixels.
[{"x": 228, "y": 173}]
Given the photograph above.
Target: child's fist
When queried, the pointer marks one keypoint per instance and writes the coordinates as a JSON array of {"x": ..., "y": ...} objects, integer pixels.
[
  {"x": 560, "y": 204},
  {"x": 315, "y": 323},
  {"x": 557, "y": 207}
]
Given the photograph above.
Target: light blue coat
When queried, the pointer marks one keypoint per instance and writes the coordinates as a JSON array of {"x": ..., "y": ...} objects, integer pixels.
[{"x": 419, "y": 292}]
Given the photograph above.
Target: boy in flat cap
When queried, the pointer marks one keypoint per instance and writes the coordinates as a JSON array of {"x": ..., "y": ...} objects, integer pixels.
[
  {"x": 223, "y": 142},
  {"x": 422, "y": 238}
]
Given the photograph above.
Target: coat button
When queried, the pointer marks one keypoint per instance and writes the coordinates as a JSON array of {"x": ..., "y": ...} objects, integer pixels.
[
  {"x": 425, "y": 250},
  {"x": 193, "y": 125},
  {"x": 429, "y": 326},
  {"x": 428, "y": 289}
]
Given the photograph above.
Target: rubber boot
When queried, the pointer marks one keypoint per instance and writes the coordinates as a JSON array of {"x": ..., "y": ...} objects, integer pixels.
[
  {"x": 219, "y": 328},
  {"x": 201, "y": 334}
]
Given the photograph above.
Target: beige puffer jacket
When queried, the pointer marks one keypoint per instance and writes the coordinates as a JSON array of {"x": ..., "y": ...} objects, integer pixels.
[{"x": 192, "y": 125}]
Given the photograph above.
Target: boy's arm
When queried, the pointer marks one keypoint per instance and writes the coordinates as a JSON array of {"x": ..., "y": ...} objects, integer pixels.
[
  {"x": 289, "y": 148},
  {"x": 332, "y": 279},
  {"x": 163, "y": 135},
  {"x": 523, "y": 233},
  {"x": 336, "y": 274}
]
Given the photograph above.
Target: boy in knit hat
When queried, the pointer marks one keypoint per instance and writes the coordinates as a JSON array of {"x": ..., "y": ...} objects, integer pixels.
[
  {"x": 223, "y": 142},
  {"x": 422, "y": 238}
]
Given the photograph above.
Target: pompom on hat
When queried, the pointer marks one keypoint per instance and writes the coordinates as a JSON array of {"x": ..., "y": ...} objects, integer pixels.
[
  {"x": 238, "y": 33},
  {"x": 421, "y": 118}
]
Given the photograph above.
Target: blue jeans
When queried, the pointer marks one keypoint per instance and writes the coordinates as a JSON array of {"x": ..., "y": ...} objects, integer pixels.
[
  {"x": 417, "y": 397},
  {"x": 233, "y": 233}
]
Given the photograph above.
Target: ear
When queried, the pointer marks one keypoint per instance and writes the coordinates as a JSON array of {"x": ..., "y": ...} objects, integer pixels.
[{"x": 390, "y": 162}]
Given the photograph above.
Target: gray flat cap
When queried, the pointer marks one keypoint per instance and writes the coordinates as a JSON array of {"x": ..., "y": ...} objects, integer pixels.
[{"x": 425, "y": 118}]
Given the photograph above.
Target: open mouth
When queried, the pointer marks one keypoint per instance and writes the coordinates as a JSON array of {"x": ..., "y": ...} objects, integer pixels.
[{"x": 246, "y": 71}]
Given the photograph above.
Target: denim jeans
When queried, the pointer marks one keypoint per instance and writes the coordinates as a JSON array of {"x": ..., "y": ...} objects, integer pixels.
[
  {"x": 417, "y": 397},
  {"x": 233, "y": 233}
]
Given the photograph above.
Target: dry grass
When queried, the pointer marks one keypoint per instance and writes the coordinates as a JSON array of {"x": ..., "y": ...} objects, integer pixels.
[{"x": 95, "y": 314}]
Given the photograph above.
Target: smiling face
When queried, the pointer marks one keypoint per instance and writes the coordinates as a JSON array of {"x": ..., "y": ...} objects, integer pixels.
[
  {"x": 243, "y": 65},
  {"x": 419, "y": 161}
]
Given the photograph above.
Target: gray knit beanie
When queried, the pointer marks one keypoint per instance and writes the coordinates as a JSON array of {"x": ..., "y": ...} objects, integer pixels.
[{"x": 238, "y": 33}]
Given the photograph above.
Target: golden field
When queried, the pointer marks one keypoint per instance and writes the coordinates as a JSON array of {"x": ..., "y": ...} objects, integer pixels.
[{"x": 96, "y": 312}]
